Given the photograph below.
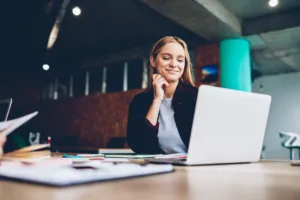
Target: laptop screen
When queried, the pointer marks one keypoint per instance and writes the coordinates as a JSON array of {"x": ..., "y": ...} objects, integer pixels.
[{"x": 4, "y": 109}]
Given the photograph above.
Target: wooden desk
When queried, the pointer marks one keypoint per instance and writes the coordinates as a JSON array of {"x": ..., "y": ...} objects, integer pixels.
[{"x": 260, "y": 181}]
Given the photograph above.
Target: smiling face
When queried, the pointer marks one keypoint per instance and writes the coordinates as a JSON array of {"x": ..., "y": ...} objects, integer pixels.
[{"x": 170, "y": 62}]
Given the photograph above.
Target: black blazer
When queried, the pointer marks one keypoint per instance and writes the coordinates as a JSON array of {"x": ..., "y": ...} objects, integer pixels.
[{"x": 142, "y": 135}]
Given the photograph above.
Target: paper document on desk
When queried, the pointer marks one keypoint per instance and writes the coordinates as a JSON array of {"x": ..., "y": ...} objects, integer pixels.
[
  {"x": 33, "y": 153},
  {"x": 115, "y": 160},
  {"x": 115, "y": 151},
  {"x": 90, "y": 155},
  {"x": 80, "y": 173},
  {"x": 174, "y": 155},
  {"x": 51, "y": 161},
  {"x": 133, "y": 156}
]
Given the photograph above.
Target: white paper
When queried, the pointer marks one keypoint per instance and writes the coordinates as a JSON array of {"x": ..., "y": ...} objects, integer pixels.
[
  {"x": 82, "y": 173},
  {"x": 90, "y": 155},
  {"x": 115, "y": 160},
  {"x": 9, "y": 126},
  {"x": 115, "y": 151},
  {"x": 174, "y": 155}
]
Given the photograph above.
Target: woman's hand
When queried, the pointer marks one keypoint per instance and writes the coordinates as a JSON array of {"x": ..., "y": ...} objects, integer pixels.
[
  {"x": 158, "y": 85},
  {"x": 2, "y": 141}
]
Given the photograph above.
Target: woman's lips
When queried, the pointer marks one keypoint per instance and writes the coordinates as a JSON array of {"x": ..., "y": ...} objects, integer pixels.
[{"x": 171, "y": 71}]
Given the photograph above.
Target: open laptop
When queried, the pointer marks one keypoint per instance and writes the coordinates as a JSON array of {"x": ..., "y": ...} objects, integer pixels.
[
  {"x": 228, "y": 127},
  {"x": 5, "y": 105}
]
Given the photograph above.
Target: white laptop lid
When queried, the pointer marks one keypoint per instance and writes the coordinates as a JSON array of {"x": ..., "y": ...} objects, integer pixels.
[{"x": 228, "y": 127}]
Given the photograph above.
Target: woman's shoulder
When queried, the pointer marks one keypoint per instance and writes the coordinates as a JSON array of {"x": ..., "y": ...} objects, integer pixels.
[
  {"x": 192, "y": 88},
  {"x": 189, "y": 90}
]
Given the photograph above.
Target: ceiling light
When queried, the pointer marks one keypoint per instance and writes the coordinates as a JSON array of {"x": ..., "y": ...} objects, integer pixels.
[
  {"x": 273, "y": 3},
  {"x": 76, "y": 11},
  {"x": 46, "y": 67}
]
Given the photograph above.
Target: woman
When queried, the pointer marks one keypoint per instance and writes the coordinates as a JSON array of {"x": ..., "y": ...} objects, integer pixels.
[
  {"x": 2, "y": 141},
  {"x": 160, "y": 119}
]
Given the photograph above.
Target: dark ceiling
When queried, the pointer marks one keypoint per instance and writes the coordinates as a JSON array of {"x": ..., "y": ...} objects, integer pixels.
[
  {"x": 106, "y": 27},
  {"x": 249, "y": 9},
  {"x": 24, "y": 29}
]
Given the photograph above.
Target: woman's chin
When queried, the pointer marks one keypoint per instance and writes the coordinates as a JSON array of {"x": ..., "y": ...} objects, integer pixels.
[{"x": 172, "y": 79}]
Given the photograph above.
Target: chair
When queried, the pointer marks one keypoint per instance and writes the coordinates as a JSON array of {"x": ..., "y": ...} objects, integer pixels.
[
  {"x": 291, "y": 141},
  {"x": 116, "y": 142}
]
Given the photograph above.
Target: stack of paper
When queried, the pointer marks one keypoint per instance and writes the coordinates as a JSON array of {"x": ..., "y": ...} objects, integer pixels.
[
  {"x": 115, "y": 151},
  {"x": 133, "y": 156},
  {"x": 48, "y": 162},
  {"x": 174, "y": 155},
  {"x": 29, "y": 154},
  {"x": 79, "y": 174}
]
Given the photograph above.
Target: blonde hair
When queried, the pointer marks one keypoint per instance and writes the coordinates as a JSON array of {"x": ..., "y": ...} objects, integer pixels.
[{"x": 187, "y": 75}]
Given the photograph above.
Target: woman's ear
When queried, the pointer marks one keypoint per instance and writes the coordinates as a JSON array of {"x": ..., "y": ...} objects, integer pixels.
[{"x": 152, "y": 61}]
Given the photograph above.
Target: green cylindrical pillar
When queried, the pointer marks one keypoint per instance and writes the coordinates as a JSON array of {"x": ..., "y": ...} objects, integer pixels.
[{"x": 235, "y": 66}]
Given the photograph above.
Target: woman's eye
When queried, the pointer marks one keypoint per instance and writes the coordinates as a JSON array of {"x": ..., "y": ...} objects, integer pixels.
[
  {"x": 180, "y": 60},
  {"x": 166, "y": 58}
]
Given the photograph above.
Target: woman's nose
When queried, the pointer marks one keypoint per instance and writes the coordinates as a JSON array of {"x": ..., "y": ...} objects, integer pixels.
[{"x": 173, "y": 63}]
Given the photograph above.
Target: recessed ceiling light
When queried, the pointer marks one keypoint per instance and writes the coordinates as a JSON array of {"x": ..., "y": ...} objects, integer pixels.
[
  {"x": 273, "y": 3},
  {"x": 46, "y": 67},
  {"x": 76, "y": 11}
]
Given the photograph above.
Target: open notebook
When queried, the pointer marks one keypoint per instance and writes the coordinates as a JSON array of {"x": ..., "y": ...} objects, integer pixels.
[
  {"x": 8, "y": 127},
  {"x": 80, "y": 173},
  {"x": 30, "y": 153}
]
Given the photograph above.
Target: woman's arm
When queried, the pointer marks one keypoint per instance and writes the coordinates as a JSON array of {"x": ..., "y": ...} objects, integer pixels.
[
  {"x": 152, "y": 114},
  {"x": 142, "y": 127},
  {"x": 2, "y": 141},
  {"x": 141, "y": 133},
  {"x": 158, "y": 83}
]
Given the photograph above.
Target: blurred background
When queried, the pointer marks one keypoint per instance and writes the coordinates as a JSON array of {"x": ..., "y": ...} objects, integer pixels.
[{"x": 80, "y": 62}]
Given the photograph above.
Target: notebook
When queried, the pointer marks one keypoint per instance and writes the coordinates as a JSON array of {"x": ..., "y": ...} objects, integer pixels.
[
  {"x": 29, "y": 154},
  {"x": 115, "y": 151},
  {"x": 8, "y": 127}
]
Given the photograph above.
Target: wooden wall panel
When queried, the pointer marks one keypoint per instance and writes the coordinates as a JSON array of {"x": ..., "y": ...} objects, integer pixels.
[{"x": 85, "y": 121}]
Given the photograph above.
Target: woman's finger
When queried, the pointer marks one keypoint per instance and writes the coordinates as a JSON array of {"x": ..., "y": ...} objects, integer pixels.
[
  {"x": 158, "y": 78},
  {"x": 162, "y": 82},
  {"x": 154, "y": 76},
  {"x": 162, "y": 78},
  {"x": 166, "y": 83},
  {"x": 2, "y": 139}
]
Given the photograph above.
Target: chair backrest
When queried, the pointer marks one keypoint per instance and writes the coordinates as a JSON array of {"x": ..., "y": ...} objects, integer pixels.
[
  {"x": 116, "y": 142},
  {"x": 290, "y": 139}
]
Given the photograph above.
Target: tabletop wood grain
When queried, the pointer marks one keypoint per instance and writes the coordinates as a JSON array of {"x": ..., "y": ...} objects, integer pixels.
[{"x": 259, "y": 181}]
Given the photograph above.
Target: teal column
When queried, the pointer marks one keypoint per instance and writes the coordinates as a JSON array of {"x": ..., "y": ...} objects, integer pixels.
[{"x": 235, "y": 66}]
